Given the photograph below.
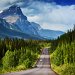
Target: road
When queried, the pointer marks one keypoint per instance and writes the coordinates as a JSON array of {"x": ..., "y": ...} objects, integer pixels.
[{"x": 43, "y": 66}]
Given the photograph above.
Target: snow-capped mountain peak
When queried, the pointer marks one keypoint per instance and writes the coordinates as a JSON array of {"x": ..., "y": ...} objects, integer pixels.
[
  {"x": 13, "y": 10},
  {"x": 14, "y": 15}
]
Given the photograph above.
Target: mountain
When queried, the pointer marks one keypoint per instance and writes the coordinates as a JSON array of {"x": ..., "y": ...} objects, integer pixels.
[
  {"x": 12, "y": 11},
  {"x": 14, "y": 15},
  {"x": 14, "y": 20},
  {"x": 46, "y": 33},
  {"x": 36, "y": 26},
  {"x": 50, "y": 34},
  {"x": 6, "y": 32}
]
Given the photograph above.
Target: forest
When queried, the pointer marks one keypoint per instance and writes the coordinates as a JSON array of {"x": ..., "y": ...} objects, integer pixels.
[
  {"x": 19, "y": 54},
  {"x": 62, "y": 53}
]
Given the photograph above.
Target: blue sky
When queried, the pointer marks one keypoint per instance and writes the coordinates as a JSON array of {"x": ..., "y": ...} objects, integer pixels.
[
  {"x": 60, "y": 2},
  {"x": 50, "y": 14}
]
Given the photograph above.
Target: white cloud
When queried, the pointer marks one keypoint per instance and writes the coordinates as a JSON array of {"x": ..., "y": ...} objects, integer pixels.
[
  {"x": 61, "y": 27},
  {"x": 48, "y": 15},
  {"x": 6, "y": 3},
  {"x": 51, "y": 16},
  {"x": 33, "y": 18}
]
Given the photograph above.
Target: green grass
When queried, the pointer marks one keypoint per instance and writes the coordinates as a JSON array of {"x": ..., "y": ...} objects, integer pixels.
[
  {"x": 65, "y": 69},
  {"x": 17, "y": 68},
  {"x": 21, "y": 67}
]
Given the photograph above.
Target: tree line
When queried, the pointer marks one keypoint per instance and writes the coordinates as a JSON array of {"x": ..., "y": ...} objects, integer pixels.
[{"x": 63, "y": 51}]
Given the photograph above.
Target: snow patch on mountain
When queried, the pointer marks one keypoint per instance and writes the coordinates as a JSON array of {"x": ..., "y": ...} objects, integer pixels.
[
  {"x": 1, "y": 11},
  {"x": 11, "y": 19}
]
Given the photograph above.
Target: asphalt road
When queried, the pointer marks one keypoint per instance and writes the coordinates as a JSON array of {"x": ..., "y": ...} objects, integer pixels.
[{"x": 43, "y": 66}]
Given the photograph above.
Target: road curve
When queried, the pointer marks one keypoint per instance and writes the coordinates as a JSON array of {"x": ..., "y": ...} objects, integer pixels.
[{"x": 43, "y": 66}]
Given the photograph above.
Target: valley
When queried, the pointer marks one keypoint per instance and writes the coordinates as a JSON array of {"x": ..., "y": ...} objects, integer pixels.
[{"x": 37, "y": 37}]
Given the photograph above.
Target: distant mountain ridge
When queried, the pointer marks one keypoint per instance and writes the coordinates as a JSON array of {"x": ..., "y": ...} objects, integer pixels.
[
  {"x": 50, "y": 34},
  {"x": 46, "y": 33},
  {"x": 14, "y": 19}
]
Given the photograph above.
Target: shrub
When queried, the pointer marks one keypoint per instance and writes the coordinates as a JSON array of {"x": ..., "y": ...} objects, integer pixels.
[
  {"x": 69, "y": 70},
  {"x": 8, "y": 60},
  {"x": 21, "y": 67},
  {"x": 27, "y": 63}
]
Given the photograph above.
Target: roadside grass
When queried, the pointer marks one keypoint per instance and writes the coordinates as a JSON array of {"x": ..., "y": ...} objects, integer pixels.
[
  {"x": 34, "y": 64},
  {"x": 14, "y": 69},
  {"x": 65, "y": 69},
  {"x": 20, "y": 67}
]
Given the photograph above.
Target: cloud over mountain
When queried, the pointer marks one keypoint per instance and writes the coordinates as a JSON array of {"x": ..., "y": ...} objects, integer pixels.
[{"x": 50, "y": 14}]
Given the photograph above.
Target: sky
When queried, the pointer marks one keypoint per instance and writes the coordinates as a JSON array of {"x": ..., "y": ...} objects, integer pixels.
[{"x": 50, "y": 14}]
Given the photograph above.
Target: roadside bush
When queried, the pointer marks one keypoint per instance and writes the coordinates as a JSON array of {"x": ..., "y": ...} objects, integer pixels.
[
  {"x": 27, "y": 63},
  {"x": 69, "y": 70},
  {"x": 21, "y": 67},
  {"x": 8, "y": 60}
]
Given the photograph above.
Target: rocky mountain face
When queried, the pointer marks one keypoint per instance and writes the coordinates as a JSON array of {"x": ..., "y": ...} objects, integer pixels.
[{"x": 5, "y": 31}]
